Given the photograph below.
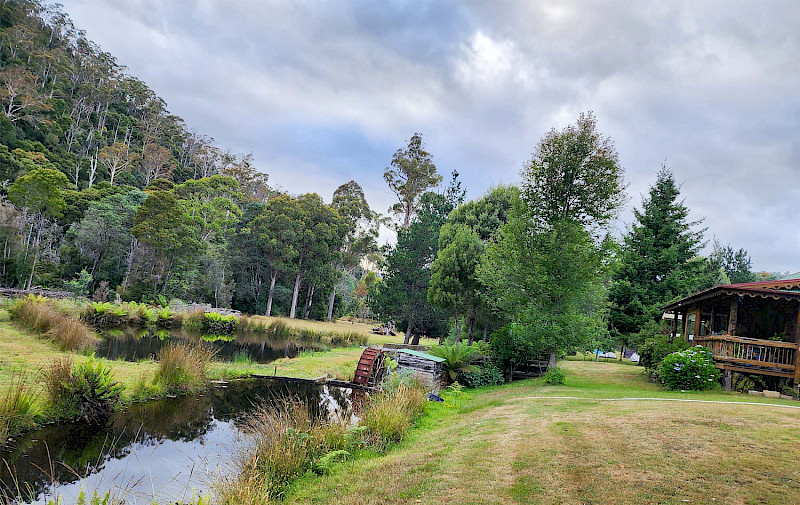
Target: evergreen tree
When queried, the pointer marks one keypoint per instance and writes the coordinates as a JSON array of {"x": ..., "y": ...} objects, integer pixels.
[{"x": 656, "y": 264}]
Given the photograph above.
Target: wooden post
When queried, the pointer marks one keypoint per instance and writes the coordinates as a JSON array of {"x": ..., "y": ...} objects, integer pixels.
[
  {"x": 674, "y": 325},
  {"x": 797, "y": 351},
  {"x": 733, "y": 316},
  {"x": 728, "y": 375}
]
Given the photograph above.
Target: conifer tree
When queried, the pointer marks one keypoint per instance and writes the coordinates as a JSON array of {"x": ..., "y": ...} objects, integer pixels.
[{"x": 656, "y": 261}]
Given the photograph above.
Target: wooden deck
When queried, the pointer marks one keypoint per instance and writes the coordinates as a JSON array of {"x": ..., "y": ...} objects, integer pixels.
[{"x": 751, "y": 355}]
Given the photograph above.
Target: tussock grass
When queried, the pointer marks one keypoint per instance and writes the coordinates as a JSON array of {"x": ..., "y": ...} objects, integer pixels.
[
  {"x": 40, "y": 315},
  {"x": 289, "y": 440},
  {"x": 17, "y": 409},
  {"x": 182, "y": 367},
  {"x": 387, "y": 416}
]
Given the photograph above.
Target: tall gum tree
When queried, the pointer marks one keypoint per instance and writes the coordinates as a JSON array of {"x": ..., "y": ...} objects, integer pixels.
[{"x": 411, "y": 174}]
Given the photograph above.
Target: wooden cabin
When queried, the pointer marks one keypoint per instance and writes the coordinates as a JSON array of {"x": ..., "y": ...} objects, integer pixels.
[
  {"x": 427, "y": 367},
  {"x": 750, "y": 328}
]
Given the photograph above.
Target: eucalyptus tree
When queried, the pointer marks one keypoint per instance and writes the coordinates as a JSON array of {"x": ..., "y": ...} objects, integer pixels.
[
  {"x": 317, "y": 240},
  {"x": 361, "y": 232},
  {"x": 411, "y": 174},
  {"x": 39, "y": 192}
]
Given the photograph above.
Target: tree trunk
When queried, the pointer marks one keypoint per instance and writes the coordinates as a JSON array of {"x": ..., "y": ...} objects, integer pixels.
[
  {"x": 552, "y": 362},
  {"x": 33, "y": 267},
  {"x": 471, "y": 329},
  {"x": 309, "y": 301},
  {"x": 458, "y": 329},
  {"x": 485, "y": 332},
  {"x": 271, "y": 292},
  {"x": 297, "y": 280},
  {"x": 330, "y": 303},
  {"x": 409, "y": 328}
]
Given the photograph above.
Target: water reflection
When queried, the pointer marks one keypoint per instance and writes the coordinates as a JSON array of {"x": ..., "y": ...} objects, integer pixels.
[
  {"x": 169, "y": 448},
  {"x": 136, "y": 343}
]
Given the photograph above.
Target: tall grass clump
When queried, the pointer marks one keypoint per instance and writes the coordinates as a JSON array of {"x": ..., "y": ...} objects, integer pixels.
[
  {"x": 17, "y": 409},
  {"x": 182, "y": 367},
  {"x": 289, "y": 441},
  {"x": 387, "y": 416},
  {"x": 38, "y": 314},
  {"x": 84, "y": 391}
]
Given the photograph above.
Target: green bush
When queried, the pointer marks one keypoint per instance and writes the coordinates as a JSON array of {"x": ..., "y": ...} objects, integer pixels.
[
  {"x": 654, "y": 350},
  {"x": 554, "y": 376},
  {"x": 484, "y": 375},
  {"x": 457, "y": 358},
  {"x": 691, "y": 369},
  {"x": 220, "y": 325},
  {"x": 84, "y": 391}
]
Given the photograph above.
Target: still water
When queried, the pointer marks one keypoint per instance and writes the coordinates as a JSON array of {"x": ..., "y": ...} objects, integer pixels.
[
  {"x": 136, "y": 343},
  {"x": 165, "y": 450}
]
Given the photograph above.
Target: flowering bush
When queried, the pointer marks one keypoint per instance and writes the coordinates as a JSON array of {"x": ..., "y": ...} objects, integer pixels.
[{"x": 690, "y": 369}]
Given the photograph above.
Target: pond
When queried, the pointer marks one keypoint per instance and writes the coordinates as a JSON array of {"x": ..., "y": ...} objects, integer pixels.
[
  {"x": 136, "y": 343},
  {"x": 165, "y": 450}
]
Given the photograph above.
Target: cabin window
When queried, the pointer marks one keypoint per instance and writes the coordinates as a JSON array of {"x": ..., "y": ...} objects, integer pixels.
[{"x": 690, "y": 319}]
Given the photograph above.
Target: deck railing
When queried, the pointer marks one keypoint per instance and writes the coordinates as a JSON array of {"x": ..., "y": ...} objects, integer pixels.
[{"x": 752, "y": 354}]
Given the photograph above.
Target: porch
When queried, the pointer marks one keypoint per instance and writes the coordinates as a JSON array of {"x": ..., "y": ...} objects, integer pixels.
[
  {"x": 752, "y": 355},
  {"x": 750, "y": 328}
]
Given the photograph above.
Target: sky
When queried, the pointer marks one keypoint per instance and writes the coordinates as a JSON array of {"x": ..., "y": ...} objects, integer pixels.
[{"x": 322, "y": 92}]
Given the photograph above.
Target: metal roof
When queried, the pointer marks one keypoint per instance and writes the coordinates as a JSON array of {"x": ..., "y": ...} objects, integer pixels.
[
  {"x": 788, "y": 289},
  {"x": 423, "y": 355}
]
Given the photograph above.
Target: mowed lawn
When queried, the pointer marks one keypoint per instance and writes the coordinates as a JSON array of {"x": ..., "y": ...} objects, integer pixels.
[{"x": 520, "y": 443}]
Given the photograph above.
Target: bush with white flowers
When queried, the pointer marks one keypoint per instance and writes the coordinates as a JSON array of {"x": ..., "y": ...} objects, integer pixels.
[{"x": 690, "y": 369}]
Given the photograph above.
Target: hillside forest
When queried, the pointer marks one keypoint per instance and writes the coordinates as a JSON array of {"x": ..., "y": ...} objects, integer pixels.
[{"x": 108, "y": 195}]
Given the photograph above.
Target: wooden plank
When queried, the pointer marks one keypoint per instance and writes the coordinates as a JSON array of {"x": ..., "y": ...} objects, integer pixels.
[
  {"x": 743, "y": 369},
  {"x": 754, "y": 362},
  {"x": 797, "y": 352},
  {"x": 746, "y": 340}
]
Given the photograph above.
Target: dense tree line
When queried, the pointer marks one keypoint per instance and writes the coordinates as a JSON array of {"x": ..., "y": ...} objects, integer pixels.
[{"x": 105, "y": 190}]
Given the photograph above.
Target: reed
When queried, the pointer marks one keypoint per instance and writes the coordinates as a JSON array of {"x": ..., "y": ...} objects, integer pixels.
[{"x": 17, "y": 409}]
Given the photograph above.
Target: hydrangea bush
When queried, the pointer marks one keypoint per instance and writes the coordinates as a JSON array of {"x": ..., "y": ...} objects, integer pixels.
[{"x": 690, "y": 369}]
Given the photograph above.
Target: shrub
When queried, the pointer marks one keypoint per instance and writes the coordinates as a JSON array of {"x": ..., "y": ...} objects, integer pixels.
[
  {"x": 554, "y": 376},
  {"x": 654, "y": 350},
  {"x": 84, "y": 391},
  {"x": 182, "y": 367},
  {"x": 219, "y": 324},
  {"x": 690, "y": 369},
  {"x": 484, "y": 375}
]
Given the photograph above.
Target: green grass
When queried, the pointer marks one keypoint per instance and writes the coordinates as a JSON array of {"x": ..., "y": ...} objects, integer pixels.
[{"x": 518, "y": 443}]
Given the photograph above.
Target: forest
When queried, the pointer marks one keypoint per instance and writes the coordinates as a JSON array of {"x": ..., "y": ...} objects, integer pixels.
[{"x": 108, "y": 195}]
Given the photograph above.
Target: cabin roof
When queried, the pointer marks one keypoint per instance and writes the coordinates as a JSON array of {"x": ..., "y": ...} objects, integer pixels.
[
  {"x": 423, "y": 355},
  {"x": 787, "y": 289}
]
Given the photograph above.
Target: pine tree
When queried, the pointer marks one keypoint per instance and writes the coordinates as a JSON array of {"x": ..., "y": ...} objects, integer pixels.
[{"x": 656, "y": 261}]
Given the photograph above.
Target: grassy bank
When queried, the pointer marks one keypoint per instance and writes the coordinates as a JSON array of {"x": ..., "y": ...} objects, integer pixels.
[{"x": 521, "y": 443}]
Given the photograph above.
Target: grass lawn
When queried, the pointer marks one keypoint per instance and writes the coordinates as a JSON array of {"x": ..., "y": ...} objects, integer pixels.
[
  {"x": 23, "y": 353},
  {"x": 520, "y": 443}
]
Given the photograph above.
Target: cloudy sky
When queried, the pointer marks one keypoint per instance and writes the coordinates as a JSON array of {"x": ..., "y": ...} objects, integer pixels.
[{"x": 323, "y": 92}]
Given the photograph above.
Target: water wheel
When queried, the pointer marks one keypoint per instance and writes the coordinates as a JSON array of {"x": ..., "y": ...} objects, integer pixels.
[{"x": 371, "y": 367}]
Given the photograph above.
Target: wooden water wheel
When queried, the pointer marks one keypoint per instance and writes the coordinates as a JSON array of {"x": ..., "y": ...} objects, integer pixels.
[{"x": 371, "y": 367}]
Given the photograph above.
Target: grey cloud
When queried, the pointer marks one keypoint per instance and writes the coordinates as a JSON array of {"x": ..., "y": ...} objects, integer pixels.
[{"x": 710, "y": 87}]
